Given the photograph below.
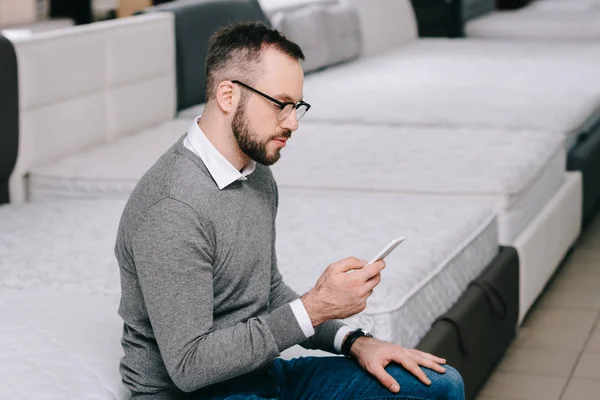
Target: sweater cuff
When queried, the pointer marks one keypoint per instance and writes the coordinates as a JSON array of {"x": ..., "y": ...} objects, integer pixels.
[{"x": 285, "y": 327}]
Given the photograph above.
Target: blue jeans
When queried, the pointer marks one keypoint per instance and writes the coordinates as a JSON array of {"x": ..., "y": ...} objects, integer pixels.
[{"x": 334, "y": 378}]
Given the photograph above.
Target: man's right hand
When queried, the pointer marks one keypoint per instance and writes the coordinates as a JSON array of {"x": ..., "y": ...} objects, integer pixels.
[{"x": 338, "y": 294}]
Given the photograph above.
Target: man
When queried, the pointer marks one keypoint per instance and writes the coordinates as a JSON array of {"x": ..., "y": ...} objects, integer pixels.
[{"x": 205, "y": 310}]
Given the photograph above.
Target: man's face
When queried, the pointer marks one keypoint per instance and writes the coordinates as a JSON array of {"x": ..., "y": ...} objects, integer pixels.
[{"x": 255, "y": 125}]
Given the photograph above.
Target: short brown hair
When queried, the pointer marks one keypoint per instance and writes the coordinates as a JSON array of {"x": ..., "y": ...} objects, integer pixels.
[{"x": 235, "y": 52}]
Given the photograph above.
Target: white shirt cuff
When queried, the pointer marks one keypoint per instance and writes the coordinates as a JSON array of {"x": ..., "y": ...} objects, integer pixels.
[
  {"x": 302, "y": 318},
  {"x": 339, "y": 338}
]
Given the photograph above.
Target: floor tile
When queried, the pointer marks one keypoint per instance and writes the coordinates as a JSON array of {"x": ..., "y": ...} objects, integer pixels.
[
  {"x": 565, "y": 319},
  {"x": 523, "y": 387},
  {"x": 550, "y": 339},
  {"x": 577, "y": 284},
  {"x": 582, "y": 389},
  {"x": 567, "y": 300},
  {"x": 593, "y": 345},
  {"x": 588, "y": 366},
  {"x": 543, "y": 362}
]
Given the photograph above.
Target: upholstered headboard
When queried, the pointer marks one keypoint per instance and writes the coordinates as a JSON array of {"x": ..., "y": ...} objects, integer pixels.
[
  {"x": 9, "y": 115},
  {"x": 328, "y": 31},
  {"x": 385, "y": 24},
  {"x": 439, "y": 18},
  {"x": 195, "y": 23},
  {"x": 89, "y": 84},
  {"x": 15, "y": 12},
  {"x": 476, "y": 8}
]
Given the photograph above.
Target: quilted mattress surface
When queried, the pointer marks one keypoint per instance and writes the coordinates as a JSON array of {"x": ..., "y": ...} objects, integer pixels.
[
  {"x": 440, "y": 84},
  {"x": 539, "y": 24},
  {"x": 108, "y": 171},
  {"x": 515, "y": 171},
  {"x": 62, "y": 341},
  {"x": 69, "y": 245},
  {"x": 60, "y": 345},
  {"x": 447, "y": 245}
]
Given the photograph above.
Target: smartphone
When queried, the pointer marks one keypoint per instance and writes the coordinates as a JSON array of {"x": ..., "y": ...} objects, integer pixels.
[{"x": 386, "y": 250}]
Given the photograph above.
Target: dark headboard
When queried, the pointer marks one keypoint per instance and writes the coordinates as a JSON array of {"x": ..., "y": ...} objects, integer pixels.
[
  {"x": 9, "y": 115},
  {"x": 439, "y": 18},
  {"x": 195, "y": 23},
  {"x": 476, "y": 8},
  {"x": 511, "y": 4}
]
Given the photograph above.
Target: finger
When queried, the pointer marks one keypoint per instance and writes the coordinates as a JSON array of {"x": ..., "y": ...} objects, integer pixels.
[
  {"x": 371, "y": 283},
  {"x": 436, "y": 359},
  {"x": 371, "y": 270},
  {"x": 428, "y": 363},
  {"x": 386, "y": 379},
  {"x": 411, "y": 366}
]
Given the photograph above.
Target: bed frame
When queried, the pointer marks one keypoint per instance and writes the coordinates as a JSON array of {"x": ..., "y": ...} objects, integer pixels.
[
  {"x": 511, "y": 4},
  {"x": 439, "y": 18},
  {"x": 9, "y": 115},
  {"x": 475, "y": 333},
  {"x": 585, "y": 157}
]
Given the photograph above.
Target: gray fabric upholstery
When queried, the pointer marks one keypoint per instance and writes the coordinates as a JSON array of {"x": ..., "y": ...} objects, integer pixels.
[
  {"x": 195, "y": 23},
  {"x": 475, "y": 8},
  {"x": 9, "y": 114}
]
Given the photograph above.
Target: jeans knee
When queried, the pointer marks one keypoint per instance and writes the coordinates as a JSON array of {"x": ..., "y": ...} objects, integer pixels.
[{"x": 450, "y": 385}]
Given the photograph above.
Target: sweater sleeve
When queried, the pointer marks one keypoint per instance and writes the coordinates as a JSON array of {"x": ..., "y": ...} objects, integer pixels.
[
  {"x": 281, "y": 293},
  {"x": 173, "y": 253}
]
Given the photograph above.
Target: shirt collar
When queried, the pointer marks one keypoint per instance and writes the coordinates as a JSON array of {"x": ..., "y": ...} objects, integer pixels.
[{"x": 222, "y": 171}]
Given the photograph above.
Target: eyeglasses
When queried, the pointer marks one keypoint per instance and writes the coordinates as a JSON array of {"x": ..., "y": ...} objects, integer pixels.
[{"x": 285, "y": 107}]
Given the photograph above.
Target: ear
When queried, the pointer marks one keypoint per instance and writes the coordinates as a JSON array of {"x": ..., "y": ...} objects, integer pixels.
[{"x": 227, "y": 97}]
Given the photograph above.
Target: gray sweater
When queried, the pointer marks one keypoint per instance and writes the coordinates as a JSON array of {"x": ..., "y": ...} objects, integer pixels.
[{"x": 202, "y": 298}]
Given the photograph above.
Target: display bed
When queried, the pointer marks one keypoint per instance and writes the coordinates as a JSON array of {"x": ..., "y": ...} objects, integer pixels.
[{"x": 452, "y": 167}]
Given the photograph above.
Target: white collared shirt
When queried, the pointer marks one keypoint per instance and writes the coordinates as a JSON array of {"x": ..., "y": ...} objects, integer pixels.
[{"x": 224, "y": 174}]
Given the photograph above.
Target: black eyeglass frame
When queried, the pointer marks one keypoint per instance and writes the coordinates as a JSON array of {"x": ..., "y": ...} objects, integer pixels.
[{"x": 280, "y": 104}]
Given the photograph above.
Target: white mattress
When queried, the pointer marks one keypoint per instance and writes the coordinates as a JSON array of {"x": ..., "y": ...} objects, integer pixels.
[
  {"x": 62, "y": 244},
  {"x": 60, "y": 335},
  {"x": 515, "y": 171},
  {"x": 107, "y": 171},
  {"x": 446, "y": 247},
  {"x": 439, "y": 83},
  {"x": 60, "y": 345},
  {"x": 536, "y": 24},
  {"x": 565, "y": 5}
]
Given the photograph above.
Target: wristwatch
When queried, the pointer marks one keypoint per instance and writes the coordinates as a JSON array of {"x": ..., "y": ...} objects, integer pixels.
[{"x": 351, "y": 338}]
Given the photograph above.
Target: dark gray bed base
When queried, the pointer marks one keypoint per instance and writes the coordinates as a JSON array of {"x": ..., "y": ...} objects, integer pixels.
[
  {"x": 195, "y": 23},
  {"x": 439, "y": 18},
  {"x": 585, "y": 157},
  {"x": 511, "y": 4},
  {"x": 9, "y": 115},
  {"x": 475, "y": 333}
]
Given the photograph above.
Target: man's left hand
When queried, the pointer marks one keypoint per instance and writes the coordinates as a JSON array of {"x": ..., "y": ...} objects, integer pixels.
[{"x": 374, "y": 355}]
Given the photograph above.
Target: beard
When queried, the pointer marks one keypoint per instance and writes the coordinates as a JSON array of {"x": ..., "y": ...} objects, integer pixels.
[{"x": 249, "y": 141}]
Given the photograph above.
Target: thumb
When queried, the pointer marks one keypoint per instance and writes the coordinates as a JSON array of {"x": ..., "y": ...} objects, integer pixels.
[
  {"x": 386, "y": 379},
  {"x": 349, "y": 264}
]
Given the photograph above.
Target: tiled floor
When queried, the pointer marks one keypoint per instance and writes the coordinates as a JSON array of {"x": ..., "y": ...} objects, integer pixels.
[{"x": 557, "y": 353}]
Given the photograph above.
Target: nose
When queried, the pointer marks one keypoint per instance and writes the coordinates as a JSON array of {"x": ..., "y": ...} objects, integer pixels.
[{"x": 290, "y": 122}]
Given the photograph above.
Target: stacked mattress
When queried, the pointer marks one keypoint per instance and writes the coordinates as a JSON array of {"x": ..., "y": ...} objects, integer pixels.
[
  {"x": 60, "y": 301},
  {"x": 515, "y": 171}
]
